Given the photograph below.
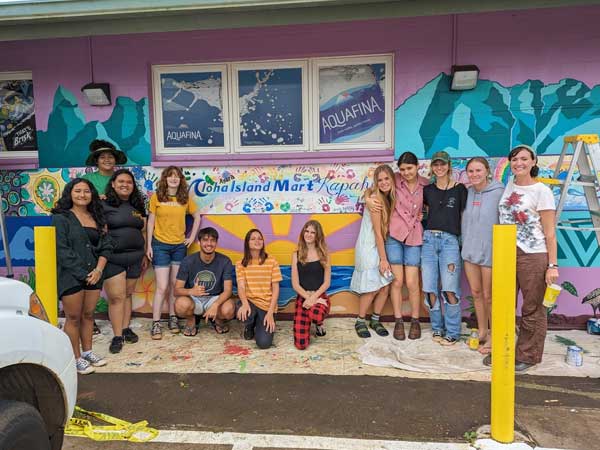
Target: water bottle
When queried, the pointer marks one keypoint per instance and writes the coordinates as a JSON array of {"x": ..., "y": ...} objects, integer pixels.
[{"x": 474, "y": 339}]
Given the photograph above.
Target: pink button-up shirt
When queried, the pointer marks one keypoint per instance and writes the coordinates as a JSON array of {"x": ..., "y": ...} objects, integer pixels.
[{"x": 405, "y": 225}]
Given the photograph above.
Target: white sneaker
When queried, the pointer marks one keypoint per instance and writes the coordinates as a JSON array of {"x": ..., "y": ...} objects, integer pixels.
[
  {"x": 95, "y": 360},
  {"x": 83, "y": 367}
]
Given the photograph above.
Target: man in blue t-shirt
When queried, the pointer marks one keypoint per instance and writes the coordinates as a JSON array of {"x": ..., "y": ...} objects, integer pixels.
[{"x": 204, "y": 286}]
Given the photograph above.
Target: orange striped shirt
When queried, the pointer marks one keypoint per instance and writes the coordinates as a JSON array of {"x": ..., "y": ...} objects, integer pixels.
[{"x": 257, "y": 279}]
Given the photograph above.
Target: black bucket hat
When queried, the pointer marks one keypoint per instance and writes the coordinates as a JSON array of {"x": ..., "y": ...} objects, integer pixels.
[{"x": 92, "y": 159}]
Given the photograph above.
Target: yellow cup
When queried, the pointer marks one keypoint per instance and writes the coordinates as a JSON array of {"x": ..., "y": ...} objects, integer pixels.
[{"x": 551, "y": 294}]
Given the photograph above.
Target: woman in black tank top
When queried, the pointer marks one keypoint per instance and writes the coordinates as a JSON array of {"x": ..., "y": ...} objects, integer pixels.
[{"x": 311, "y": 277}]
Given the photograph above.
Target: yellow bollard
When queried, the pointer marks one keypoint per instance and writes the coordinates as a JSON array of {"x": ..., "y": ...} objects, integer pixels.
[
  {"x": 44, "y": 239},
  {"x": 504, "y": 279}
]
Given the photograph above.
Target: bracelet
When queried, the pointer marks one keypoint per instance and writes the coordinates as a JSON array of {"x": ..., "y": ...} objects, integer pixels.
[
  {"x": 95, "y": 269},
  {"x": 552, "y": 266}
]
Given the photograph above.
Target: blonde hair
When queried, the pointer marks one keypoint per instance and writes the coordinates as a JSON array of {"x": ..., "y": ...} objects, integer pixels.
[
  {"x": 320, "y": 244},
  {"x": 387, "y": 199}
]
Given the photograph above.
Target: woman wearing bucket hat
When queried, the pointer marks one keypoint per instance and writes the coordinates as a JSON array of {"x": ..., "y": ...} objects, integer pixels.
[
  {"x": 530, "y": 205},
  {"x": 445, "y": 200},
  {"x": 104, "y": 156}
]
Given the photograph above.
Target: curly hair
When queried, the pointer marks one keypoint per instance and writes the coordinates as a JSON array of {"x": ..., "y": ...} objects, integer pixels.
[
  {"x": 162, "y": 191},
  {"x": 247, "y": 255},
  {"x": 320, "y": 244},
  {"x": 65, "y": 203},
  {"x": 136, "y": 199}
]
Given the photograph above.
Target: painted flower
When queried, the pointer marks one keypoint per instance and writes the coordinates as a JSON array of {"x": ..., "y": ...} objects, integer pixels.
[
  {"x": 285, "y": 207},
  {"x": 350, "y": 173},
  {"x": 326, "y": 207},
  {"x": 46, "y": 191}
]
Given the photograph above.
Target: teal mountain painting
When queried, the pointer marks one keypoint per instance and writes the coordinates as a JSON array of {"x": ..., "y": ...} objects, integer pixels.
[
  {"x": 66, "y": 141},
  {"x": 491, "y": 119}
]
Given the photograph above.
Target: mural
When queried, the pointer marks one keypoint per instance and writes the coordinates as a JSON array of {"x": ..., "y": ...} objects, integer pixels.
[
  {"x": 490, "y": 120},
  {"x": 66, "y": 141},
  {"x": 279, "y": 199}
]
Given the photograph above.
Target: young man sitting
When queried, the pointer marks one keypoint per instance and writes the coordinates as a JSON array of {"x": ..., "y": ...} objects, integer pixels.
[{"x": 204, "y": 286}]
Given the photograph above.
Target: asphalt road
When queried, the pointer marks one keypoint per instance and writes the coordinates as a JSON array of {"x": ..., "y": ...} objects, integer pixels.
[{"x": 549, "y": 409}]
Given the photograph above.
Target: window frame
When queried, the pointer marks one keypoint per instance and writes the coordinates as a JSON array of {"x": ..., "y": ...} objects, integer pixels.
[
  {"x": 160, "y": 69},
  {"x": 237, "y": 147},
  {"x": 388, "y": 93},
  {"x": 19, "y": 154},
  {"x": 310, "y": 108}
]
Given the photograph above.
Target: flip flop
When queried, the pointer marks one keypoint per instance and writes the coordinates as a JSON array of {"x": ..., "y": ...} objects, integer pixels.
[
  {"x": 220, "y": 328},
  {"x": 190, "y": 331},
  {"x": 484, "y": 349}
]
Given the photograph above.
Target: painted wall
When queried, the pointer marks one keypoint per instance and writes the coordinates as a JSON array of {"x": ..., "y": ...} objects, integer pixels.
[{"x": 526, "y": 94}]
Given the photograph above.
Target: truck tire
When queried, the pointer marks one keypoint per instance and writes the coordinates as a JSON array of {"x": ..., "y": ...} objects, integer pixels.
[{"x": 22, "y": 427}]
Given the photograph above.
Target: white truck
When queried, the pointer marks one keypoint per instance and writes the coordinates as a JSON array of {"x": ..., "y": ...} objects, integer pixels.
[{"x": 38, "y": 379}]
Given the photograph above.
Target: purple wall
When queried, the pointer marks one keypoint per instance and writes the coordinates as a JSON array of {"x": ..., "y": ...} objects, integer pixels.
[{"x": 508, "y": 47}]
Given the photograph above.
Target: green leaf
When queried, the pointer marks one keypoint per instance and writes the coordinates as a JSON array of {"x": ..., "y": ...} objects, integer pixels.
[
  {"x": 564, "y": 341},
  {"x": 568, "y": 286},
  {"x": 101, "y": 306}
]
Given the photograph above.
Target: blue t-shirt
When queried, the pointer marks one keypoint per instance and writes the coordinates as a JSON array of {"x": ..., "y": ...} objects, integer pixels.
[{"x": 210, "y": 275}]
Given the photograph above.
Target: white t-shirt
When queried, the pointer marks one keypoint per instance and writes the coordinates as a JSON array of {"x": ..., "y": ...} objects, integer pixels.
[{"x": 521, "y": 205}]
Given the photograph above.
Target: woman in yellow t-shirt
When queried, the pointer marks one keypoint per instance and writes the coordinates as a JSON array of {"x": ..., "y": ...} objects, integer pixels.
[
  {"x": 258, "y": 277},
  {"x": 166, "y": 243}
]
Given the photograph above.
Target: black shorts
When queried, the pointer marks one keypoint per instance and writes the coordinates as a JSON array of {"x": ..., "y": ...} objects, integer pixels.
[
  {"x": 83, "y": 287},
  {"x": 132, "y": 271}
]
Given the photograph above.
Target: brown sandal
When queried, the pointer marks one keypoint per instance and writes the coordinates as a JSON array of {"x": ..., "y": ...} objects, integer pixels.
[
  {"x": 415, "y": 329},
  {"x": 399, "y": 330}
]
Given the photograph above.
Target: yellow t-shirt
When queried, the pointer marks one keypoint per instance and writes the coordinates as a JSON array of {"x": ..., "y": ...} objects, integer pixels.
[
  {"x": 257, "y": 279},
  {"x": 169, "y": 225}
]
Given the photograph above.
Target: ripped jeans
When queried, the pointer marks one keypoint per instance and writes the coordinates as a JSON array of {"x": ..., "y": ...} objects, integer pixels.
[{"x": 440, "y": 268}]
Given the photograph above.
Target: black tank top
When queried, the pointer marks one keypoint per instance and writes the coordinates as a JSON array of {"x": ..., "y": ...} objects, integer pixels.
[
  {"x": 311, "y": 275},
  {"x": 93, "y": 235}
]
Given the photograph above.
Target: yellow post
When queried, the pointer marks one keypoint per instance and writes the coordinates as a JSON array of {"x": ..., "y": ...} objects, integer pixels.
[
  {"x": 44, "y": 239},
  {"x": 504, "y": 278}
]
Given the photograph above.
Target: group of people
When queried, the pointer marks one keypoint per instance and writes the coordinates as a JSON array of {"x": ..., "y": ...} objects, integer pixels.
[
  {"x": 412, "y": 230},
  {"x": 416, "y": 228}
]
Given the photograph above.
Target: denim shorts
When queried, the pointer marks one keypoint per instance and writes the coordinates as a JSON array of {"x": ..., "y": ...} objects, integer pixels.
[
  {"x": 401, "y": 254},
  {"x": 201, "y": 304},
  {"x": 441, "y": 264},
  {"x": 166, "y": 255}
]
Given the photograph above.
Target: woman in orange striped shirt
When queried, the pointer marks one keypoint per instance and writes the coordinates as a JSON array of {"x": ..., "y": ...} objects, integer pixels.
[{"x": 258, "y": 277}]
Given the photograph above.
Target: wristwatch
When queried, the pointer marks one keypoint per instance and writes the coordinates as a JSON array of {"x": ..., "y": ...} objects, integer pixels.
[{"x": 552, "y": 266}]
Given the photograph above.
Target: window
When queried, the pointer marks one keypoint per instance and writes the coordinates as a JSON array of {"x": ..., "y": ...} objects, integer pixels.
[
  {"x": 352, "y": 105},
  {"x": 17, "y": 116},
  {"x": 315, "y": 104},
  {"x": 190, "y": 112},
  {"x": 270, "y": 106}
]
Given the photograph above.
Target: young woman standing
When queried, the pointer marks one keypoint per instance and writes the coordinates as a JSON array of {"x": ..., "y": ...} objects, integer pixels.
[
  {"x": 403, "y": 244},
  {"x": 372, "y": 271},
  {"x": 166, "y": 243},
  {"x": 258, "y": 277},
  {"x": 478, "y": 219},
  {"x": 445, "y": 200},
  {"x": 311, "y": 277},
  {"x": 530, "y": 205},
  {"x": 82, "y": 249},
  {"x": 126, "y": 219}
]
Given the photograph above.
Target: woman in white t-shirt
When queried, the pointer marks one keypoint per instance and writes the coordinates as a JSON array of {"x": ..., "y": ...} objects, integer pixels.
[{"x": 530, "y": 205}]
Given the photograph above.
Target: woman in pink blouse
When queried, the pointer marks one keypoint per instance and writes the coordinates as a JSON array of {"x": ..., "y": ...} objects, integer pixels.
[{"x": 403, "y": 243}]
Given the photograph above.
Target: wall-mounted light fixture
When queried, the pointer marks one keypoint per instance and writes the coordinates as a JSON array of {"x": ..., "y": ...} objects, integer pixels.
[
  {"x": 96, "y": 94},
  {"x": 464, "y": 77}
]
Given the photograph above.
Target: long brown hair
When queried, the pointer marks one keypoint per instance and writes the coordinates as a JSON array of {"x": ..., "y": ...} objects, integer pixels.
[
  {"x": 387, "y": 199},
  {"x": 247, "y": 255},
  {"x": 320, "y": 244},
  {"x": 162, "y": 191}
]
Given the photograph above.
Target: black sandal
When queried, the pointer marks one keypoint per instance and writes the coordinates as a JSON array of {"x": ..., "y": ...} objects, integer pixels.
[
  {"x": 320, "y": 330},
  {"x": 362, "y": 330},
  {"x": 378, "y": 327}
]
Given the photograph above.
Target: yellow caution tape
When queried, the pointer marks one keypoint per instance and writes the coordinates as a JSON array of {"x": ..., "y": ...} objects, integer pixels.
[{"x": 120, "y": 430}]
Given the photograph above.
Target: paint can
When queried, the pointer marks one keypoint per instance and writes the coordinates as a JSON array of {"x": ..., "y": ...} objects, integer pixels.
[
  {"x": 574, "y": 356},
  {"x": 474, "y": 339}
]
